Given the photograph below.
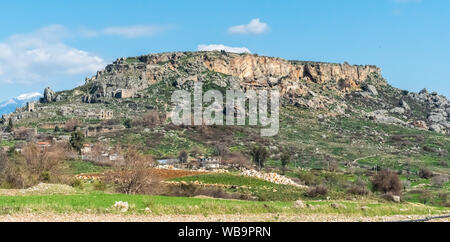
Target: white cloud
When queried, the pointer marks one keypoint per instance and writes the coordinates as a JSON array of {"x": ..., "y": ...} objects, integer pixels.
[
  {"x": 41, "y": 55},
  {"x": 126, "y": 31},
  {"x": 223, "y": 47},
  {"x": 254, "y": 27}
]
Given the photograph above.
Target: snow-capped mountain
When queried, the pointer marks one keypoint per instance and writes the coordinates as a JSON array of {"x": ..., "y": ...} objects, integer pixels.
[{"x": 10, "y": 105}]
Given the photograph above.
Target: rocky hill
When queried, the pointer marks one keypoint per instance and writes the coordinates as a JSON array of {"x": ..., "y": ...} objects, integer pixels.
[
  {"x": 130, "y": 86},
  {"x": 344, "y": 122}
]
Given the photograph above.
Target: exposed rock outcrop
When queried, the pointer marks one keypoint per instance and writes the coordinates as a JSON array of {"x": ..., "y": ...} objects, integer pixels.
[
  {"x": 127, "y": 76},
  {"x": 49, "y": 95}
]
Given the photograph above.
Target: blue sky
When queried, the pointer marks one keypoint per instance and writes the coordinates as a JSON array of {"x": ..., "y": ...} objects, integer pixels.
[{"x": 58, "y": 43}]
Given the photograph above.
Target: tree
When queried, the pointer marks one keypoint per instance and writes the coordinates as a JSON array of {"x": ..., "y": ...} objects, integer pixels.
[
  {"x": 57, "y": 129},
  {"x": 259, "y": 156},
  {"x": 76, "y": 141},
  {"x": 183, "y": 156},
  {"x": 285, "y": 159},
  {"x": 137, "y": 178},
  {"x": 221, "y": 150}
]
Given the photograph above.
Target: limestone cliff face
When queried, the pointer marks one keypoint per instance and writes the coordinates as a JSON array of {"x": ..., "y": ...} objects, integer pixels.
[
  {"x": 251, "y": 68},
  {"x": 133, "y": 74}
]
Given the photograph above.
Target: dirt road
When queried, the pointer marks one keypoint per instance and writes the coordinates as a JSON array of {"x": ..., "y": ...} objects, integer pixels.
[{"x": 52, "y": 217}]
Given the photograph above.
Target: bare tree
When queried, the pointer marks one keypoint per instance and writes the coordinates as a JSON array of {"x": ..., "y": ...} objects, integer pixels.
[{"x": 135, "y": 174}]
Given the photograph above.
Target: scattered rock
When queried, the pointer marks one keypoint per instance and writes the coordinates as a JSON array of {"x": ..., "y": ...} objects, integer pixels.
[
  {"x": 437, "y": 128},
  {"x": 372, "y": 90},
  {"x": 424, "y": 91},
  {"x": 396, "y": 199},
  {"x": 121, "y": 206},
  {"x": 299, "y": 204},
  {"x": 420, "y": 125},
  {"x": 337, "y": 206},
  {"x": 271, "y": 177},
  {"x": 404, "y": 105},
  {"x": 398, "y": 110}
]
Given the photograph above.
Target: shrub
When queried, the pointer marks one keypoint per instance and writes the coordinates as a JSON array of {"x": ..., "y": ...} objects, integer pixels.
[
  {"x": 359, "y": 187},
  {"x": 127, "y": 123},
  {"x": 99, "y": 185},
  {"x": 45, "y": 176},
  {"x": 387, "y": 182},
  {"x": 425, "y": 173},
  {"x": 309, "y": 178},
  {"x": 425, "y": 197},
  {"x": 76, "y": 183},
  {"x": 317, "y": 191}
]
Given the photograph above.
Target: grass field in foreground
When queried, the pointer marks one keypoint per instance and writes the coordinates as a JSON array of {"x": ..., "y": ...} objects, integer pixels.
[{"x": 160, "y": 205}]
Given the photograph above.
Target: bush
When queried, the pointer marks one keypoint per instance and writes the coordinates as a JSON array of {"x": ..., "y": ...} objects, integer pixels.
[
  {"x": 127, "y": 123},
  {"x": 387, "y": 182},
  {"x": 359, "y": 187},
  {"x": 76, "y": 183},
  {"x": 45, "y": 176},
  {"x": 317, "y": 191},
  {"x": 425, "y": 173},
  {"x": 309, "y": 178},
  {"x": 99, "y": 186}
]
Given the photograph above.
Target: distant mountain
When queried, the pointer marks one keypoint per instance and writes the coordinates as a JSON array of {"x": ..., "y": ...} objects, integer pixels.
[{"x": 10, "y": 105}]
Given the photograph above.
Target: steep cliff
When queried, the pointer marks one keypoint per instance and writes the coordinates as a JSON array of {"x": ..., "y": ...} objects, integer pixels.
[{"x": 129, "y": 75}]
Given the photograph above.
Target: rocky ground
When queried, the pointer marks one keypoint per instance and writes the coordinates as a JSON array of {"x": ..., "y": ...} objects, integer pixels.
[{"x": 52, "y": 217}]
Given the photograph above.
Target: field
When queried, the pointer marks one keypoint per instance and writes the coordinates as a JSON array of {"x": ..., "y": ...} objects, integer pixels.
[
  {"x": 53, "y": 202},
  {"x": 154, "y": 208}
]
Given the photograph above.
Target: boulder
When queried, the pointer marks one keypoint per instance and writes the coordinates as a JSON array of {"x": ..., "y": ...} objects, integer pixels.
[
  {"x": 420, "y": 124},
  {"x": 49, "y": 95},
  {"x": 299, "y": 204},
  {"x": 437, "y": 118},
  {"x": 396, "y": 199},
  {"x": 372, "y": 90},
  {"x": 424, "y": 91},
  {"x": 404, "y": 105},
  {"x": 381, "y": 116},
  {"x": 437, "y": 128},
  {"x": 398, "y": 110}
]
